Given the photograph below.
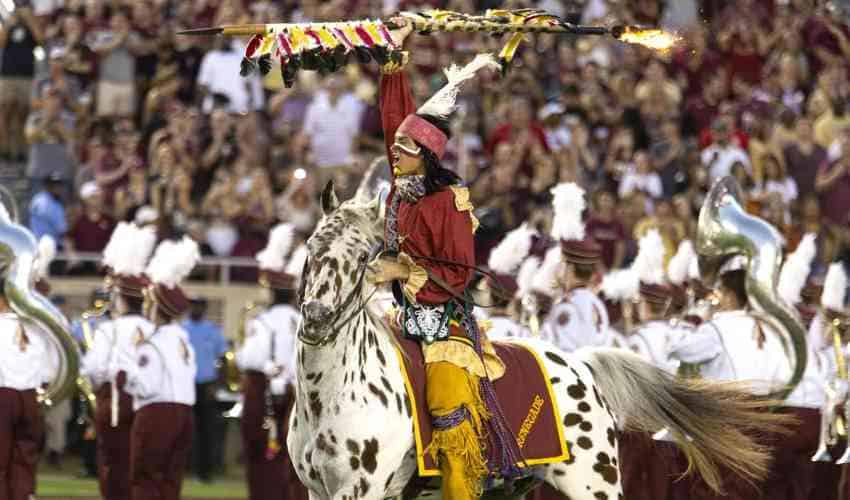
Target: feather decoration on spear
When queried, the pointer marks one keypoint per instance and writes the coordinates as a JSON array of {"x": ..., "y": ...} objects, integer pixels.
[{"x": 325, "y": 47}]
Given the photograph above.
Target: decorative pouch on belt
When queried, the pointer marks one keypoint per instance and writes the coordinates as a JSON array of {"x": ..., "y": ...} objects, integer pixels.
[{"x": 427, "y": 323}]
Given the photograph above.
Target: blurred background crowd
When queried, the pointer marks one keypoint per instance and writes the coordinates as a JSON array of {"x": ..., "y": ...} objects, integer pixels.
[{"x": 110, "y": 117}]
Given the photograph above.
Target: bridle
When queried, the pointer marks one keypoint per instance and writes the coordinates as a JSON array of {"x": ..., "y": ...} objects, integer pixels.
[{"x": 338, "y": 321}]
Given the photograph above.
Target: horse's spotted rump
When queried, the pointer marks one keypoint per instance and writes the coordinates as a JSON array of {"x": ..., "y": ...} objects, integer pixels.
[
  {"x": 554, "y": 380},
  {"x": 558, "y": 360},
  {"x": 600, "y": 495},
  {"x": 605, "y": 468},
  {"x": 354, "y": 462},
  {"x": 572, "y": 419},
  {"x": 585, "y": 443},
  {"x": 364, "y": 486},
  {"x": 585, "y": 426},
  {"x": 576, "y": 391},
  {"x": 352, "y": 446},
  {"x": 369, "y": 457},
  {"x": 379, "y": 393},
  {"x": 559, "y": 472},
  {"x": 612, "y": 436},
  {"x": 584, "y": 407}
]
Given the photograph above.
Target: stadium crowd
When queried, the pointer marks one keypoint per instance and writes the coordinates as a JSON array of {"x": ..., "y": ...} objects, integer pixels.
[{"x": 117, "y": 118}]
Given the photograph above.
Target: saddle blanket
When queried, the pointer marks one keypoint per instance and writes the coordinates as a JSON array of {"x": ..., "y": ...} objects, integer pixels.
[{"x": 524, "y": 393}]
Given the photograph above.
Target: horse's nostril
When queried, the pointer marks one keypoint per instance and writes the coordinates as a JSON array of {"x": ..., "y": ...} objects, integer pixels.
[{"x": 316, "y": 311}]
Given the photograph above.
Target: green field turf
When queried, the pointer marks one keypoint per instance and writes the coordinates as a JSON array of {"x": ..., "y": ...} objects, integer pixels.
[{"x": 52, "y": 485}]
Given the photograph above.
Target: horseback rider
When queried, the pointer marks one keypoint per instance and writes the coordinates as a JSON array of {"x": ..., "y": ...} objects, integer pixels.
[{"x": 430, "y": 257}]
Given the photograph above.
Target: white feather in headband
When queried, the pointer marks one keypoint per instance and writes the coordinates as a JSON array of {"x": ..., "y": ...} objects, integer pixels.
[
  {"x": 296, "y": 262},
  {"x": 679, "y": 266},
  {"x": 113, "y": 251},
  {"x": 545, "y": 280},
  {"x": 796, "y": 270},
  {"x": 444, "y": 102},
  {"x": 568, "y": 204},
  {"x": 511, "y": 251},
  {"x": 173, "y": 261},
  {"x": 46, "y": 254},
  {"x": 649, "y": 263},
  {"x": 273, "y": 257},
  {"x": 834, "y": 287},
  {"x": 525, "y": 275}
]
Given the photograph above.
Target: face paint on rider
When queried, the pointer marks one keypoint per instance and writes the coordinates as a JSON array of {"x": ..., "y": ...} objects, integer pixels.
[{"x": 406, "y": 157}]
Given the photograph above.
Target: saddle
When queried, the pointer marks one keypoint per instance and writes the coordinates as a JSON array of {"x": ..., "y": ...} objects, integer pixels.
[{"x": 524, "y": 393}]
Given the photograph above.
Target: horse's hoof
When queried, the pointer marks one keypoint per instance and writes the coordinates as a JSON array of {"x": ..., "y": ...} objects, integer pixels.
[{"x": 844, "y": 459}]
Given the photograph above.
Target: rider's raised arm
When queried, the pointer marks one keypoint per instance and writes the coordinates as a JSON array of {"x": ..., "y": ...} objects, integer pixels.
[{"x": 396, "y": 101}]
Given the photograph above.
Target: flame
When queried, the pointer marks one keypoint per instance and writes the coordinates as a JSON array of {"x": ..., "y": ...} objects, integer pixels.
[{"x": 652, "y": 38}]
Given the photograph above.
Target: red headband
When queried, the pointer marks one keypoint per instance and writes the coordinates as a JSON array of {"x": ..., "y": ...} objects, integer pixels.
[{"x": 426, "y": 134}]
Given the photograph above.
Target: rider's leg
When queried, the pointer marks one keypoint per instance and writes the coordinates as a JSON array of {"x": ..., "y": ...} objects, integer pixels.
[{"x": 455, "y": 405}]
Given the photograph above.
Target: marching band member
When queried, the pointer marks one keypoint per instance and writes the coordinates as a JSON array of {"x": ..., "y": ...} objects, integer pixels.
[
  {"x": 114, "y": 343},
  {"x": 267, "y": 362},
  {"x": 832, "y": 300},
  {"x": 794, "y": 475},
  {"x": 26, "y": 364},
  {"x": 648, "y": 467},
  {"x": 581, "y": 318},
  {"x": 161, "y": 378},
  {"x": 502, "y": 286},
  {"x": 735, "y": 346}
]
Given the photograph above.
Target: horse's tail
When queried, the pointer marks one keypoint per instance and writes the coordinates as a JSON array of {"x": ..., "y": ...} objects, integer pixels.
[{"x": 714, "y": 423}]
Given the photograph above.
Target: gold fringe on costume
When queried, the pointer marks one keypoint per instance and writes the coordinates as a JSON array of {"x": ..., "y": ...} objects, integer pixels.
[{"x": 460, "y": 449}]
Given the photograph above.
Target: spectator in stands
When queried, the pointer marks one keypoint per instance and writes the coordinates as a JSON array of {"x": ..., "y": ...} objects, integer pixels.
[
  {"x": 801, "y": 154},
  {"x": 776, "y": 182},
  {"x": 605, "y": 229},
  {"x": 833, "y": 182},
  {"x": 47, "y": 211},
  {"x": 668, "y": 158},
  {"x": 90, "y": 230},
  {"x": 217, "y": 75},
  {"x": 59, "y": 81},
  {"x": 331, "y": 142},
  {"x": 50, "y": 134},
  {"x": 79, "y": 60},
  {"x": 20, "y": 34},
  {"x": 721, "y": 154},
  {"x": 641, "y": 177},
  {"x": 117, "y": 48}
]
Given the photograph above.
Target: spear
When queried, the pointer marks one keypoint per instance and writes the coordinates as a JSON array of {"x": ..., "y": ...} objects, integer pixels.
[
  {"x": 494, "y": 22},
  {"x": 326, "y": 46}
]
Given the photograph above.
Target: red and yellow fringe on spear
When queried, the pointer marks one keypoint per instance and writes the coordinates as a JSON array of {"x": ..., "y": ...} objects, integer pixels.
[{"x": 326, "y": 47}]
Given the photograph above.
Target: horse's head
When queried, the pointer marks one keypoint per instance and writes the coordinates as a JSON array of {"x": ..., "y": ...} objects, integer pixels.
[{"x": 345, "y": 240}]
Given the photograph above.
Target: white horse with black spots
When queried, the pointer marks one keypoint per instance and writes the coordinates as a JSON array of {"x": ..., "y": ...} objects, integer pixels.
[{"x": 351, "y": 433}]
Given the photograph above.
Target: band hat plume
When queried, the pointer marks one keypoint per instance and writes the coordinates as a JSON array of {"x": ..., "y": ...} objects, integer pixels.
[
  {"x": 272, "y": 259},
  {"x": 507, "y": 257},
  {"x": 512, "y": 250},
  {"x": 834, "y": 288},
  {"x": 46, "y": 254},
  {"x": 172, "y": 262},
  {"x": 525, "y": 276},
  {"x": 443, "y": 104},
  {"x": 568, "y": 205},
  {"x": 126, "y": 256},
  {"x": 296, "y": 262},
  {"x": 796, "y": 269},
  {"x": 545, "y": 280},
  {"x": 678, "y": 268},
  {"x": 621, "y": 285}
]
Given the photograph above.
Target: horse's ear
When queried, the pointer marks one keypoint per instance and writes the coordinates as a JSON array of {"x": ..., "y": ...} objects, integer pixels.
[
  {"x": 378, "y": 205},
  {"x": 329, "y": 200}
]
